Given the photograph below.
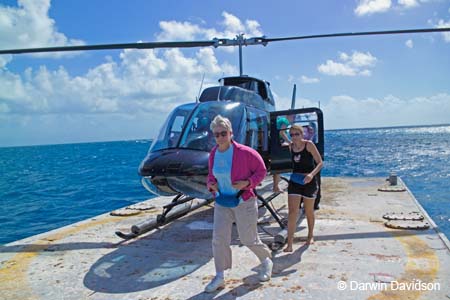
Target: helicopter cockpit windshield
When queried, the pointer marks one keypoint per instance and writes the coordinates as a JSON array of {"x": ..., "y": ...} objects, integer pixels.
[
  {"x": 170, "y": 132},
  {"x": 198, "y": 134}
]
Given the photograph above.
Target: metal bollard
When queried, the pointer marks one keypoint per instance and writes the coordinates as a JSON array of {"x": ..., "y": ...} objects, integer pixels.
[{"x": 393, "y": 178}]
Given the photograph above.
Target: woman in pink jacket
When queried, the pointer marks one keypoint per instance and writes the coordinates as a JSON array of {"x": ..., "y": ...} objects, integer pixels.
[{"x": 234, "y": 172}]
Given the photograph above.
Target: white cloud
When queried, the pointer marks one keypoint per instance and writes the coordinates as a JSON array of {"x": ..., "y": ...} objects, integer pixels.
[
  {"x": 63, "y": 128},
  {"x": 306, "y": 79},
  {"x": 344, "y": 56},
  {"x": 409, "y": 43},
  {"x": 232, "y": 26},
  {"x": 368, "y": 7},
  {"x": 408, "y": 3},
  {"x": 4, "y": 60},
  {"x": 252, "y": 27},
  {"x": 173, "y": 31},
  {"x": 283, "y": 103},
  {"x": 351, "y": 65},
  {"x": 443, "y": 24},
  {"x": 148, "y": 81},
  {"x": 347, "y": 112},
  {"x": 359, "y": 59},
  {"x": 232, "y": 23},
  {"x": 142, "y": 80},
  {"x": 303, "y": 79},
  {"x": 365, "y": 72},
  {"x": 334, "y": 69},
  {"x": 29, "y": 26}
]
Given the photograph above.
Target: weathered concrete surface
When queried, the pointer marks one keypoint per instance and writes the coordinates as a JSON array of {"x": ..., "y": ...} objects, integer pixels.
[{"x": 353, "y": 250}]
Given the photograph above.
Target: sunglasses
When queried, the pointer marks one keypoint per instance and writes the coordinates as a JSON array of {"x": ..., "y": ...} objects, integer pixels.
[
  {"x": 295, "y": 134},
  {"x": 222, "y": 133}
]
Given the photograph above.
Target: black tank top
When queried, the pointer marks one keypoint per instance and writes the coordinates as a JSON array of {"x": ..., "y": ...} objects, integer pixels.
[{"x": 303, "y": 161}]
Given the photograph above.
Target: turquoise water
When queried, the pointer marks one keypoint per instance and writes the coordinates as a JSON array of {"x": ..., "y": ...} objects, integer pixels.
[{"x": 46, "y": 187}]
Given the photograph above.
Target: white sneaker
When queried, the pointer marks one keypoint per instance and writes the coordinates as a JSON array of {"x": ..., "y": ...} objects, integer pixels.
[
  {"x": 215, "y": 284},
  {"x": 266, "y": 270}
]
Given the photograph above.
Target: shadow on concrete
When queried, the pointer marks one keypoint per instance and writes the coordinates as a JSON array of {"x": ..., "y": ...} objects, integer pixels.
[
  {"x": 249, "y": 284},
  {"x": 155, "y": 259},
  {"x": 160, "y": 257},
  {"x": 282, "y": 262},
  {"x": 370, "y": 235}
]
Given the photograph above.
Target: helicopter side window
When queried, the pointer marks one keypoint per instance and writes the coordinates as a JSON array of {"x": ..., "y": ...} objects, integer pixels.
[
  {"x": 254, "y": 86},
  {"x": 257, "y": 131},
  {"x": 262, "y": 91},
  {"x": 309, "y": 124},
  {"x": 245, "y": 85},
  {"x": 284, "y": 122}
]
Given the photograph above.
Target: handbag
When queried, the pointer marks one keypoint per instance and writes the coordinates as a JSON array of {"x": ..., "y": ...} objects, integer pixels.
[
  {"x": 229, "y": 200},
  {"x": 298, "y": 178}
]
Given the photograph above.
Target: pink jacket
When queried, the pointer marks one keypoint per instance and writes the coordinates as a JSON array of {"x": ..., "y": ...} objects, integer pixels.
[{"x": 247, "y": 165}]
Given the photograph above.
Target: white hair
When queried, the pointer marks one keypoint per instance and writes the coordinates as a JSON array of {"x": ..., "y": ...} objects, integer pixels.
[{"x": 221, "y": 121}]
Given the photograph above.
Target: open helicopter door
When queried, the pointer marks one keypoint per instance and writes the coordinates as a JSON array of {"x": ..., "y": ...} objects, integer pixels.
[{"x": 311, "y": 119}]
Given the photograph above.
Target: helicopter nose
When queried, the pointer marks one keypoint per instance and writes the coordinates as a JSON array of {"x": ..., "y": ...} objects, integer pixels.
[
  {"x": 175, "y": 162},
  {"x": 178, "y": 171}
]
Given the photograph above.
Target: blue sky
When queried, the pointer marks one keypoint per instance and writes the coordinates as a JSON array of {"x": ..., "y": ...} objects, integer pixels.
[{"x": 115, "y": 95}]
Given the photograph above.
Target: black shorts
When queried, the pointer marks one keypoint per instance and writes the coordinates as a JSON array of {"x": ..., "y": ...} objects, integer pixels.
[{"x": 308, "y": 190}]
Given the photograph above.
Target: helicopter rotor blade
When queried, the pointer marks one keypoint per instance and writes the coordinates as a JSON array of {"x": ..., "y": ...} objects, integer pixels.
[
  {"x": 151, "y": 45},
  {"x": 386, "y": 32},
  {"x": 239, "y": 41}
]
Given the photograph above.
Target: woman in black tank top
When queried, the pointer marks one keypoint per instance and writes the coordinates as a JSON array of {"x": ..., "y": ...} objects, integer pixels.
[
  {"x": 306, "y": 163},
  {"x": 302, "y": 161}
]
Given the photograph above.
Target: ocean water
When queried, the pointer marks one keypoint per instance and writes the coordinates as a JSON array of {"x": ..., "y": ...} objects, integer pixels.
[
  {"x": 419, "y": 155},
  {"x": 46, "y": 187}
]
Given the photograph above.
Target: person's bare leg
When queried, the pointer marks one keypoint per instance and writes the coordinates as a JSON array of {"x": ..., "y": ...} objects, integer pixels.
[
  {"x": 309, "y": 211},
  {"x": 276, "y": 182},
  {"x": 293, "y": 208}
]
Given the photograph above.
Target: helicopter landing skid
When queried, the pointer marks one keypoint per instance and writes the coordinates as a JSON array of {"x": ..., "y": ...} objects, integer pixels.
[
  {"x": 279, "y": 239},
  {"x": 168, "y": 215},
  {"x": 126, "y": 236},
  {"x": 265, "y": 202}
]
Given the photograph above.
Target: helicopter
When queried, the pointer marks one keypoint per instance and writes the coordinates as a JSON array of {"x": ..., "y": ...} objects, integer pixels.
[{"x": 177, "y": 161}]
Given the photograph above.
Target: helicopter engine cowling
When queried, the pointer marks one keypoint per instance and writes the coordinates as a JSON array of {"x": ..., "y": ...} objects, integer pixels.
[{"x": 174, "y": 171}]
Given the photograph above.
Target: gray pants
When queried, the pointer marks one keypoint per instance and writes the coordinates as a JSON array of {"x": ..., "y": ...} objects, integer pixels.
[{"x": 246, "y": 217}]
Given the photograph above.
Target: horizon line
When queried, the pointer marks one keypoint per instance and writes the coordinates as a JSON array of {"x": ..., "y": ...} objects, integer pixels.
[{"x": 150, "y": 139}]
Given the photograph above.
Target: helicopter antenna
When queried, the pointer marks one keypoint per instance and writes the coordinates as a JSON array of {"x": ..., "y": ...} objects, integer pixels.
[
  {"x": 294, "y": 90},
  {"x": 200, "y": 90},
  {"x": 220, "y": 87}
]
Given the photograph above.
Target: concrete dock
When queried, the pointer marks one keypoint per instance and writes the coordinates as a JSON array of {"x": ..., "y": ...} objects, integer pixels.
[{"x": 355, "y": 256}]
